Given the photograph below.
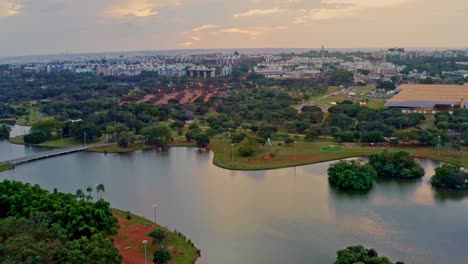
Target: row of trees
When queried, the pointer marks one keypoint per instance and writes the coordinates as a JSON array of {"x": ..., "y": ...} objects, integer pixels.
[{"x": 357, "y": 175}]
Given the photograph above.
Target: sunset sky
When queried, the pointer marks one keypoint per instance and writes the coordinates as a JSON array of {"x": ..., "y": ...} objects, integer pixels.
[{"x": 56, "y": 26}]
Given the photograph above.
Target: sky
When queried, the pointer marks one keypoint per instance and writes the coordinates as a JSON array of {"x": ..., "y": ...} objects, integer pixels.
[{"x": 29, "y": 27}]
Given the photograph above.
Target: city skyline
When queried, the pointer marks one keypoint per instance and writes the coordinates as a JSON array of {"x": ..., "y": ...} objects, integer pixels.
[{"x": 131, "y": 25}]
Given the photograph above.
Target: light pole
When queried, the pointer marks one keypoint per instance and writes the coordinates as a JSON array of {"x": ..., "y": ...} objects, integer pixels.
[
  {"x": 295, "y": 150},
  {"x": 144, "y": 244},
  {"x": 84, "y": 136},
  {"x": 155, "y": 206},
  {"x": 438, "y": 145},
  {"x": 232, "y": 154}
]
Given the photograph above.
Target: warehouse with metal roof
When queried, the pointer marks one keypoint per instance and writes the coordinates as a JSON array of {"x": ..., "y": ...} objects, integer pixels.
[{"x": 429, "y": 98}]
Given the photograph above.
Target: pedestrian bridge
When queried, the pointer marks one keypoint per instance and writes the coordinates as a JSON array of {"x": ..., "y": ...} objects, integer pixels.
[{"x": 44, "y": 155}]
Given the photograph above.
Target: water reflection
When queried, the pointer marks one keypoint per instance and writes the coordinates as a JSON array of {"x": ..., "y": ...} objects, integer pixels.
[{"x": 280, "y": 216}]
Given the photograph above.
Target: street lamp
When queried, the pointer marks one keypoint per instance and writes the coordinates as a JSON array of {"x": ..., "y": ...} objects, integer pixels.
[
  {"x": 438, "y": 145},
  {"x": 232, "y": 154},
  {"x": 84, "y": 136},
  {"x": 144, "y": 244},
  {"x": 155, "y": 206}
]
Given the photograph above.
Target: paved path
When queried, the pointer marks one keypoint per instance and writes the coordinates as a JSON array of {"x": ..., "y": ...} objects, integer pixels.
[
  {"x": 314, "y": 102},
  {"x": 48, "y": 154}
]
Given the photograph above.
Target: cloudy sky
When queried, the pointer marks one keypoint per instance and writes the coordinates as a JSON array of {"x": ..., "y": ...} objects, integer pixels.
[{"x": 57, "y": 26}]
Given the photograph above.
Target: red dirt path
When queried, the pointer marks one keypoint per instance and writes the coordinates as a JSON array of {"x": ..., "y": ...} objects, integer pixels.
[{"x": 129, "y": 239}]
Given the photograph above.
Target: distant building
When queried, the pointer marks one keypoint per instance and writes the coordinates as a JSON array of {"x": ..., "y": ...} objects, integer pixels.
[
  {"x": 429, "y": 98},
  {"x": 226, "y": 70},
  {"x": 396, "y": 54},
  {"x": 201, "y": 72},
  {"x": 106, "y": 71}
]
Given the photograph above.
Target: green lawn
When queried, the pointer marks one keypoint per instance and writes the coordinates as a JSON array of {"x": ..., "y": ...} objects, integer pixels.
[
  {"x": 172, "y": 240},
  {"x": 5, "y": 167},
  {"x": 55, "y": 143},
  {"x": 33, "y": 116},
  {"x": 113, "y": 148},
  {"x": 303, "y": 153}
]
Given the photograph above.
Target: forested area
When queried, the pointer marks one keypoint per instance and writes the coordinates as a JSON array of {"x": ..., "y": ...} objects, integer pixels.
[
  {"x": 360, "y": 254},
  {"x": 41, "y": 227}
]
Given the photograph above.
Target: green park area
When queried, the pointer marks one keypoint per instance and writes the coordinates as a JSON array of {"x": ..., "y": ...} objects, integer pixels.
[
  {"x": 4, "y": 167},
  {"x": 135, "y": 229},
  {"x": 113, "y": 148},
  {"x": 302, "y": 153}
]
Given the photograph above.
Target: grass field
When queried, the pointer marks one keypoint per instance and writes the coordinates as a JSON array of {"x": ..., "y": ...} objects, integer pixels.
[
  {"x": 301, "y": 153},
  {"x": 55, "y": 143},
  {"x": 33, "y": 116},
  {"x": 307, "y": 153},
  {"x": 133, "y": 231},
  {"x": 117, "y": 149},
  {"x": 5, "y": 167}
]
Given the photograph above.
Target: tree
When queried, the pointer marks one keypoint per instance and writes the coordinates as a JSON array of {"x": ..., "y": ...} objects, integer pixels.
[
  {"x": 396, "y": 165},
  {"x": 36, "y": 137},
  {"x": 100, "y": 188},
  {"x": 4, "y": 131},
  {"x": 80, "y": 194},
  {"x": 158, "y": 235},
  {"x": 158, "y": 136},
  {"x": 450, "y": 176},
  {"x": 246, "y": 150},
  {"x": 192, "y": 134},
  {"x": 47, "y": 126},
  {"x": 361, "y": 255},
  {"x": 310, "y": 135},
  {"x": 124, "y": 139},
  {"x": 372, "y": 137},
  {"x": 161, "y": 256},
  {"x": 87, "y": 131},
  {"x": 203, "y": 140},
  {"x": 351, "y": 175},
  {"x": 89, "y": 190},
  {"x": 386, "y": 85}
]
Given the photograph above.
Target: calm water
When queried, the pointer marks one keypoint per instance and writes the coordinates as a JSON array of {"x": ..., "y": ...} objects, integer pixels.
[
  {"x": 10, "y": 151},
  {"x": 278, "y": 216}
]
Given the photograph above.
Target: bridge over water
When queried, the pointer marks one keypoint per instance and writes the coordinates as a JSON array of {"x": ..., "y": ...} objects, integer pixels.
[
  {"x": 44, "y": 155},
  {"x": 49, "y": 154}
]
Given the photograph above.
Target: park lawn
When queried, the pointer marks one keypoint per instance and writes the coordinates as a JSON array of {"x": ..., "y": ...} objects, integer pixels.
[
  {"x": 308, "y": 153},
  {"x": 33, "y": 116},
  {"x": 132, "y": 232},
  {"x": 68, "y": 142},
  {"x": 5, "y": 167},
  {"x": 332, "y": 99},
  {"x": 376, "y": 103},
  {"x": 113, "y": 148}
]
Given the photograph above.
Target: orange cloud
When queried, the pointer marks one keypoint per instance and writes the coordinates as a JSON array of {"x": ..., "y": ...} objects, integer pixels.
[
  {"x": 205, "y": 27},
  {"x": 9, "y": 8},
  {"x": 258, "y": 12}
]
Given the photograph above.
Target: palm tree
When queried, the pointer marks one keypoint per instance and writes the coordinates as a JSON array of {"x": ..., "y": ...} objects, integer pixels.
[
  {"x": 80, "y": 194},
  {"x": 100, "y": 188},
  {"x": 89, "y": 190}
]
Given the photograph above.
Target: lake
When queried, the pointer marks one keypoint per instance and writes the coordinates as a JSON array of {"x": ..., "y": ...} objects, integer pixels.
[{"x": 276, "y": 216}]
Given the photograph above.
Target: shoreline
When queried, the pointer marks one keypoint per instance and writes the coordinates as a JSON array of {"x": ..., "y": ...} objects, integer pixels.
[{"x": 301, "y": 154}]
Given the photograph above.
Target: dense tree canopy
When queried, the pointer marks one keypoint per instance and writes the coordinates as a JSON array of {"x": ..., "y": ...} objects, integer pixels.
[
  {"x": 360, "y": 255},
  {"x": 158, "y": 136},
  {"x": 4, "y": 131},
  {"x": 450, "y": 176},
  {"x": 396, "y": 165},
  {"x": 44, "y": 227},
  {"x": 351, "y": 175}
]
